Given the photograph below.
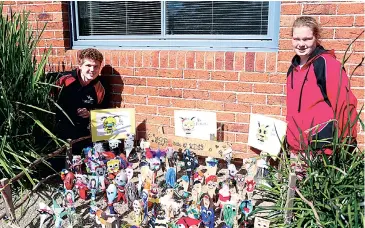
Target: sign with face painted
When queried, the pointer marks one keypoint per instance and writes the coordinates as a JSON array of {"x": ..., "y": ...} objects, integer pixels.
[
  {"x": 266, "y": 134},
  {"x": 114, "y": 123},
  {"x": 196, "y": 124}
]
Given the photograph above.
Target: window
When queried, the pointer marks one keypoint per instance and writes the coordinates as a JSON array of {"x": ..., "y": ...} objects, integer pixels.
[{"x": 194, "y": 25}]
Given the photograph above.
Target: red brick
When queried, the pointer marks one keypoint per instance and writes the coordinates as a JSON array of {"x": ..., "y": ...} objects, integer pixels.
[
  {"x": 250, "y": 61},
  {"x": 209, "y": 60},
  {"x": 285, "y": 56},
  {"x": 229, "y": 137},
  {"x": 350, "y": 8},
  {"x": 157, "y": 82},
  {"x": 267, "y": 110},
  {"x": 238, "y": 87},
  {"x": 159, "y": 101},
  {"x": 239, "y": 61},
  {"x": 234, "y": 107},
  {"x": 210, "y": 105},
  {"x": 287, "y": 9},
  {"x": 243, "y": 138},
  {"x": 197, "y": 74},
  {"x": 285, "y": 33},
  {"x": 123, "y": 71},
  {"x": 336, "y": 21},
  {"x": 44, "y": 17},
  {"x": 146, "y": 72},
  {"x": 199, "y": 59},
  {"x": 170, "y": 92},
  {"x": 240, "y": 150},
  {"x": 37, "y": 8},
  {"x": 164, "y": 111},
  {"x": 55, "y": 7},
  {"x": 223, "y": 96},
  {"x": 155, "y": 59},
  {"x": 172, "y": 59},
  {"x": 260, "y": 61},
  {"x": 251, "y": 98},
  {"x": 254, "y": 77},
  {"x": 242, "y": 128},
  {"x": 146, "y": 109},
  {"x": 190, "y": 60},
  {"x": 211, "y": 85},
  {"x": 134, "y": 81},
  {"x": 138, "y": 59},
  {"x": 124, "y": 89},
  {"x": 135, "y": 99},
  {"x": 184, "y": 83},
  {"x": 271, "y": 61},
  {"x": 242, "y": 118},
  {"x": 359, "y": 71},
  {"x": 359, "y": 93},
  {"x": 349, "y": 33},
  {"x": 146, "y": 59},
  {"x": 181, "y": 59},
  {"x": 357, "y": 81},
  {"x": 328, "y": 33},
  {"x": 150, "y": 91},
  {"x": 229, "y": 57},
  {"x": 183, "y": 103},
  {"x": 268, "y": 88},
  {"x": 277, "y": 78},
  {"x": 355, "y": 58},
  {"x": 130, "y": 58},
  {"x": 196, "y": 94},
  {"x": 285, "y": 45},
  {"x": 338, "y": 45},
  {"x": 322, "y": 9},
  {"x": 276, "y": 100},
  {"x": 358, "y": 46},
  {"x": 164, "y": 59},
  {"x": 158, "y": 120},
  {"x": 122, "y": 59},
  {"x": 283, "y": 67},
  {"x": 359, "y": 21},
  {"x": 225, "y": 75},
  {"x": 226, "y": 117},
  {"x": 170, "y": 73},
  {"x": 287, "y": 21},
  {"x": 219, "y": 61}
]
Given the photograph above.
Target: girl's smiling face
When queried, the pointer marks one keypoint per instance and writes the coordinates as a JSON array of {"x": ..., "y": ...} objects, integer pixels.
[{"x": 304, "y": 42}]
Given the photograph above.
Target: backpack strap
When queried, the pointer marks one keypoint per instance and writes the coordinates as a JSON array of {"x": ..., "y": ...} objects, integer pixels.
[{"x": 319, "y": 66}]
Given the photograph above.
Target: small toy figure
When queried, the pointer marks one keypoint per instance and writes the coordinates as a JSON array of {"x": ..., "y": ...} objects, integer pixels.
[
  {"x": 187, "y": 222},
  {"x": 131, "y": 191},
  {"x": 129, "y": 172},
  {"x": 92, "y": 159},
  {"x": 227, "y": 155},
  {"x": 144, "y": 197},
  {"x": 138, "y": 213},
  {"x": 100, "y": 174},
  {"x": 261, "y": 223},
  {"x": 198, "y": 176},
  {"x": 193, "y": 211},
  {"x": 81, "y": 186},
  {"x": 170, "y": 177},
  {"x": 120, "y": 181},
  {"x": 232, "y": 171},
  {"x": 69, "y": 200},
  {"x": 154, "y": 167},
  {"x": 167, "y": 202},
  {"x": 93, "y": 186},
  {"x": 230, "y": 215},
  {"x": 240, "y": 184},
  {"x": 185, "y": 183},
  {"x": 111, "y": 194},
  {"x": 68, "y": 179},
  {"x": 58, "y": 213},
  {"x": 76, "y": 165},
  {"x": 171, "y": 156},
  {"x": 153, "y": 199},
  {"x": 190, "y": 163},
  {"x": 224, "y": 196},
  {"x": 250, "y": 187},
  {"x": 262, "y": 171},
  {"x": 128, "y": 145},
  {"x": 246, "y": 207},
  {"x": 113, "y": 168},
  {"x": 211, "y": 166},
  {"x": 196, "y": 192},
  {"x": 114, "y": 145},
  {"x": 161, "y": 221},
  {"x": 207, "y": 211},
  {"x": 211, "y": 182}
]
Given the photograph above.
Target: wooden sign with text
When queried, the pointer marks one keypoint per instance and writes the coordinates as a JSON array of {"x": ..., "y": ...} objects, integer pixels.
[{"x": 199, "y": 147}]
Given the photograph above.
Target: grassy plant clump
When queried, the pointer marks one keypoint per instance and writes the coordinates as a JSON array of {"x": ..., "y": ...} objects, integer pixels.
[{"x": 25, "y": 103}]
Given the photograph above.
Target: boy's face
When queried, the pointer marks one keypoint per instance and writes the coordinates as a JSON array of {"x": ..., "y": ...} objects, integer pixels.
[{"x": 89, "y": 69}]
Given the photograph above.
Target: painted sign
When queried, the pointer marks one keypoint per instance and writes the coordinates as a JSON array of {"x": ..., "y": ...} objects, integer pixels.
[
  {"x": 200, "y": 147},
  {"x": 115, "y": 123},
  {"x": 196, "y": 124},
  {"x": 266, "y": 134}
]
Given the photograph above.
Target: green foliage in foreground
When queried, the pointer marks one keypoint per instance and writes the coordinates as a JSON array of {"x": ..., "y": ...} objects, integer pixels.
[{"x": 25, "y": 103}]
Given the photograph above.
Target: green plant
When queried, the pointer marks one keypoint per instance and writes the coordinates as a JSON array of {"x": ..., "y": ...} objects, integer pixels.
[
  {"x": 331, "y": 192},
  {"x": 25, "y": 103}
]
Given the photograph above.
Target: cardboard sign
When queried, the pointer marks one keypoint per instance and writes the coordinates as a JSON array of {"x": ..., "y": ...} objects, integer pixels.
[
  {"x": 199, "y": 147},
  {"x": 196, "y": 124},
  {"x": 114, "y": 123},
  {"x": 266, "y": 134}
]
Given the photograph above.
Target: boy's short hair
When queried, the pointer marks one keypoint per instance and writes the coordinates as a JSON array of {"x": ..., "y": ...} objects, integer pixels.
[{"x": 89, "y": 53}]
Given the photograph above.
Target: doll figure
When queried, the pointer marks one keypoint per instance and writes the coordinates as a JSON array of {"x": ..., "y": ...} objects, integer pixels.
[
  {"x": 120, "y": 181},
  {"x": 211, "y": 164},
  {"x": 155, "y": 165},
  {"x": 224, "y": 196},
  {"x": 153, "y": 199},
  {"x": 93, "y": 186},
  {"x": 68, "y": 179},
  {"x": 211, "y": 182},
  {"x": 190, "y": 163},
  {"x": 187, "y": 222},
  {"x": 232, "y": 171},
  {"x": 166, "y": 202},
  {"x": 144, "y": 197},
  {"x": 128, "y": 145},
  {"x": 207, "y": 211},
  {"x": 100, "y": 174},
  {"x": 138, "y": 212},
  {"x": 129, "y": 172},
  {"x": 230, "y": 215},
  {"x": 196, "y": 192},
  {"x": 81, "y": 186},
  {"x": 262, "y": 171},
  {"x": 185, "y": 183},
  {"x": 227, "y": 155},
  {"x": 92, "y": 159},
  {"x": 76, "y": 165},
  {"x": 111, "y": 194},
  {"x": 114, "y": 145},
  {"x": 240, "y": 184},
  {"x": 170, "y": 177},
  {"x": 69, "y": 200},
  {"x": 193, "y": 211},
  {"x": 131, "y": 192},
  {"x": 113, "y": 168},
  {"x": 246, "y": 207},
  {"x": 250, "y": 187},
  {"x": 198, "y": 176}
]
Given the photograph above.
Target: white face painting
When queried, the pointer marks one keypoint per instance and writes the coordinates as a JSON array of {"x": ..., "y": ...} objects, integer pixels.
[{"x": 114, "y": 143}]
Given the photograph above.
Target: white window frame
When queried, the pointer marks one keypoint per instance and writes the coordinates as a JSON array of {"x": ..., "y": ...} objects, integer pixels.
[{"x": 266, "y": 43}]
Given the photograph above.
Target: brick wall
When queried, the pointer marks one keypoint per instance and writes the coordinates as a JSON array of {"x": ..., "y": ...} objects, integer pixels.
[{"x": 233, "y": 84}]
